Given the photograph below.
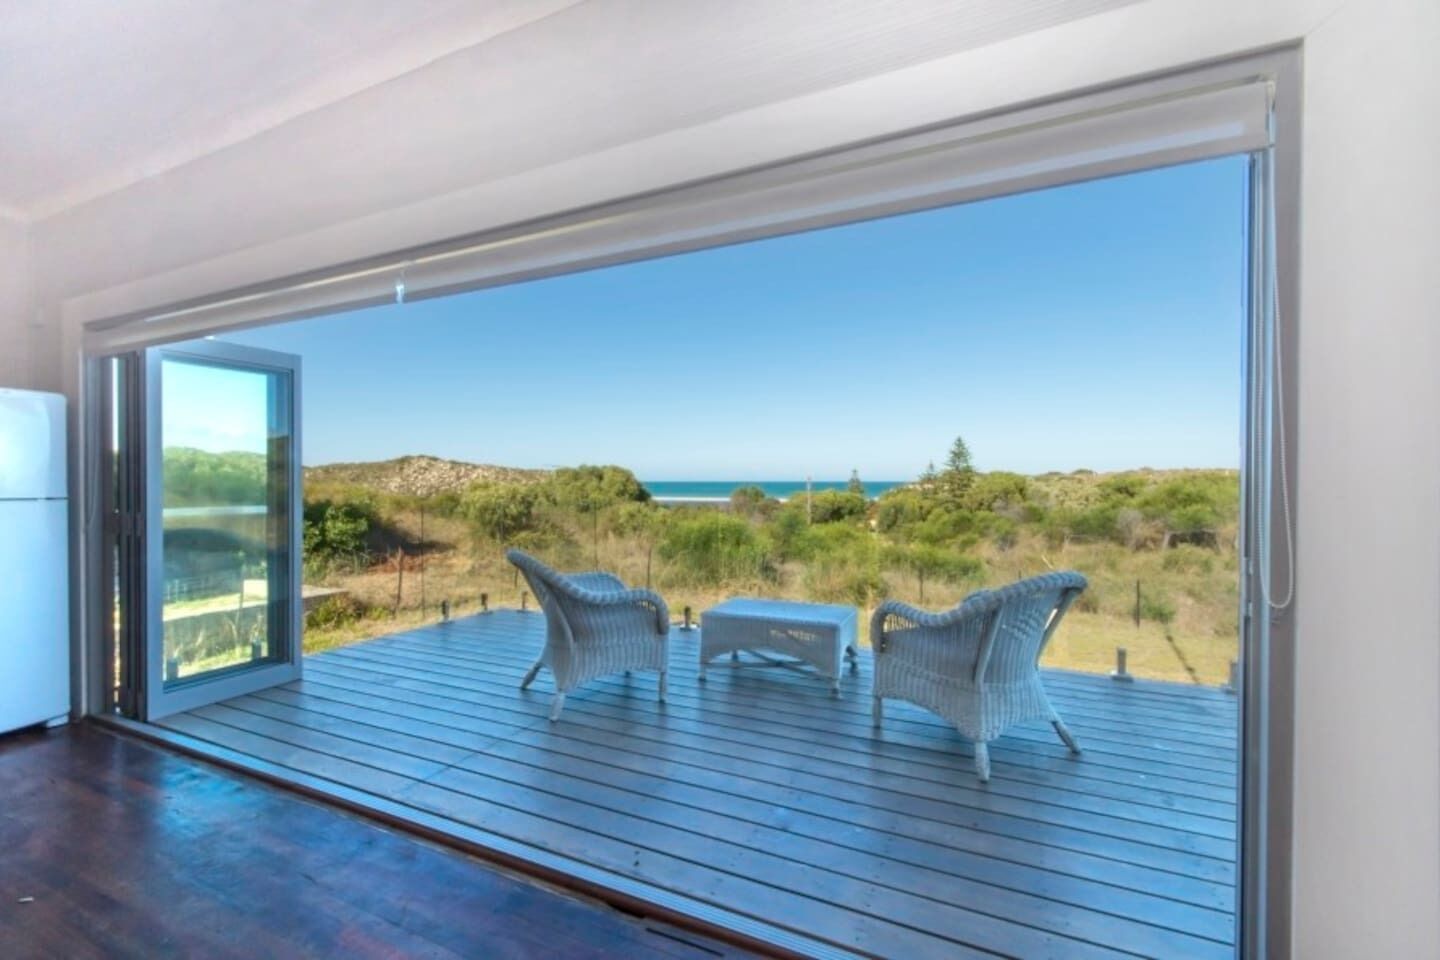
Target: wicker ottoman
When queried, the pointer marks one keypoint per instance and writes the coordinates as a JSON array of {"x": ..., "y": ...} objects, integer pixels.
[{"x": 820, "y": 635}]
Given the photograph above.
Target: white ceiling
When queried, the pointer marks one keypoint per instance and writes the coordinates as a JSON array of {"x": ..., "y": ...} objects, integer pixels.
[{"x": 96, "y": 95}]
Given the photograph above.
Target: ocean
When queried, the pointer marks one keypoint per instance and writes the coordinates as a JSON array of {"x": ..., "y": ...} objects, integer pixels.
[{"x": 716, "y": 491}]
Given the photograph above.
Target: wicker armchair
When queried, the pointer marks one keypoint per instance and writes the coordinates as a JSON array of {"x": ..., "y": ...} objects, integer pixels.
[
  {"x": 594, "y": 625},
  {"x": 978, "y": 664}
]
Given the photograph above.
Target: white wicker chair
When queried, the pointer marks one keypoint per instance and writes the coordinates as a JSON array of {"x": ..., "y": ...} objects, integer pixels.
[
  {"x": 594, "y": 625},
  {"x": 978, "y": 664}
]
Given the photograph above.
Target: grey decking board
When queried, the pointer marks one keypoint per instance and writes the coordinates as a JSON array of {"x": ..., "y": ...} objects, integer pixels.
[
  {"x": 1206, "y": 710},
  {"x": 1200, "y": 744},
  {"x": 782, "y": 690},
  {"x": 965, "y": 782},
  {"x": 464, "y": 712},
  {"x": 1025, "y": 746},
  {"x": 1167, "y": 883},
  {"x": 757, "y": 742},
  {"x": 1122, "y": 809},
  {"x": 657, "y": 824},
  {"x": 719, "y": 711},
  {"x": 942, "y": 788},
  {"x": 1181, "y": 852},
  {"x": 1205, "y": 923}
]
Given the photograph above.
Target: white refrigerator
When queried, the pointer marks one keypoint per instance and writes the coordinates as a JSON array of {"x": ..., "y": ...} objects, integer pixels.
[{"x": 34, "y": 561}]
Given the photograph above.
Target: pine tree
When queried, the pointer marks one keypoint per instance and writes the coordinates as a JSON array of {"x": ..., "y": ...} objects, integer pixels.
[
  {"x": 959, "y": 470},
  {"x": 855, "y": 486}
]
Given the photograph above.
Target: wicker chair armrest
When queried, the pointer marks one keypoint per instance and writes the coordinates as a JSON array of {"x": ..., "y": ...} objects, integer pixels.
[{"x": 646, "y": 599}]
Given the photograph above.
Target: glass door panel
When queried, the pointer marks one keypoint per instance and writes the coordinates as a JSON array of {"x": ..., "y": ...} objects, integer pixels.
[{"x": 223, "y": 549}]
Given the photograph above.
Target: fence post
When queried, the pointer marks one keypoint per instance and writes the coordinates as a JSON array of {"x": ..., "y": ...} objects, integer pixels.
[
  {"x": 1121, "y": 674},
  {"x": 399, "y": 579},
  {"x": 1137, "y": 604}
]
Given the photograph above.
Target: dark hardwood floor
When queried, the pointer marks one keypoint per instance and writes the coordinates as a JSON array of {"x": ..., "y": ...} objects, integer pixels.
[{"x": 114, "y": 848}]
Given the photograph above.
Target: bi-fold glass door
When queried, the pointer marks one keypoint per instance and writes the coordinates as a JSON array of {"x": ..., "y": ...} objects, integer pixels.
[{"x": 221, "y": 524}]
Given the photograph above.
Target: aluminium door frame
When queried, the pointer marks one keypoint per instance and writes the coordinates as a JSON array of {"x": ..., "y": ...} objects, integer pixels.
[{"x": 285, "y": 664}]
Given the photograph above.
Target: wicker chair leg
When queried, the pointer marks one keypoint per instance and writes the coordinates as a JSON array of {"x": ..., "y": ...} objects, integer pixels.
[
  {"x": 664, "y": 677},
  {"x": 982, "y": 761},
  {"x": 530, "y": 676},
  {"x": 557, "y": 706},
  {"x": 877, "y": 711},
  {"x": 1066, "y": 735}
]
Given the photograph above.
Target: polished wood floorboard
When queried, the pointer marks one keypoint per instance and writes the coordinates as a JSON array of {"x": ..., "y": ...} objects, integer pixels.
[
  {"x": 759, "y": 794},
  {"x": 113, "y": 848}
]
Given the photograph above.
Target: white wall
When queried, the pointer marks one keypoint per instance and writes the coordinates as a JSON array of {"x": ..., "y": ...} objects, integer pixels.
[
  {"x": 1367, "y": 812},
  {"x": 1367, "y": 841},
  {"x": 16, "y": 306}
]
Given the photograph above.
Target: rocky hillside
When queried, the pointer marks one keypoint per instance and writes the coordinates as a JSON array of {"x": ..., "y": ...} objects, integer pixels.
[{"x": 417, "y": 476}]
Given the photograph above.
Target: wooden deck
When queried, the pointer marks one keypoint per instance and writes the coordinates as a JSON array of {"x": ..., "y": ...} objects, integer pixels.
[{"x": 760, "y": 796}]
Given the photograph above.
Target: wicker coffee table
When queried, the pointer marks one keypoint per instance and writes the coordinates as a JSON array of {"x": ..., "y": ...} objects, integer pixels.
[{"x": 819, "y": 635}]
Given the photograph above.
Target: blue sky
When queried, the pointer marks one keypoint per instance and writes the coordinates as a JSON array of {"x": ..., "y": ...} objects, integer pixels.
[{"x": 1096, "y": 325}]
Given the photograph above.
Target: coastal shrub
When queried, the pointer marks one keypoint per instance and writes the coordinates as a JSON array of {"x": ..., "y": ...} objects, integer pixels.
[
  {"x": 832, "y": 506},
  {"x": 714, "y": 549},
  {"x": 337, "y": 532},
  {"x": 1096, "y": 523},
  {"x": 586, "y": 488},
  {"x": 1122, "y": 486},
  {"x": 996, "y": 491},
  {"x": 1004, "y": 532},
  {"x": 898, "y": 510},
  {"x": 789, "y": 534},
  {"x": 750, "y": 501},
  {"x": 501, "y": 511},
  {"x": 1156, "y": 607},
  {"x": 1188, "y": 559},
  {"x": 1202, "y": 501},
  {"x": 644, "y": 521},
  {"x": 950, "y": 526},
  {"x": 335, "y": 611}
]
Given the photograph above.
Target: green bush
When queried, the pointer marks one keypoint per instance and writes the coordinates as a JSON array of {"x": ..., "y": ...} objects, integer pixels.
[
  {"x": 586, "y": 488},
  {"x": 501, "y": 511},
  {"x": 337, "y": 531},
  {"x": 336, "y": 611},
  {"x": 751, "y": 501},
  {"x": 1156, "y": 607},
  {"x": 712, "y": 549},
  {"x": 833, "y": 506},
  {"x": 899, "y": 510},
  {"x": 1188, "y": 559},
  {"x": 996, "y": 491}
]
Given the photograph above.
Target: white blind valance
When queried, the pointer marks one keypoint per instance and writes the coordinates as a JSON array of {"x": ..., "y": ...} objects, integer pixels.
[{"x": 1094, "y": 136}]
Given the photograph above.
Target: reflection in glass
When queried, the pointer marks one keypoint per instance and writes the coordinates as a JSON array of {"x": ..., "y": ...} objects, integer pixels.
[{"x": 226, "y": 489}]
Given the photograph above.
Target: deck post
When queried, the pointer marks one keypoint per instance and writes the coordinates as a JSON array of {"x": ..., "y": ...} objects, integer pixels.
[
  {"x": 1232, "y": 685},
  {"x": 1121, "y": 673},
  {"x": 444, "y": 610},
  {"x": 524, "y": 600},
  {"x": 688, "y": 624},
  {"x": 484, "y": 603}
]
